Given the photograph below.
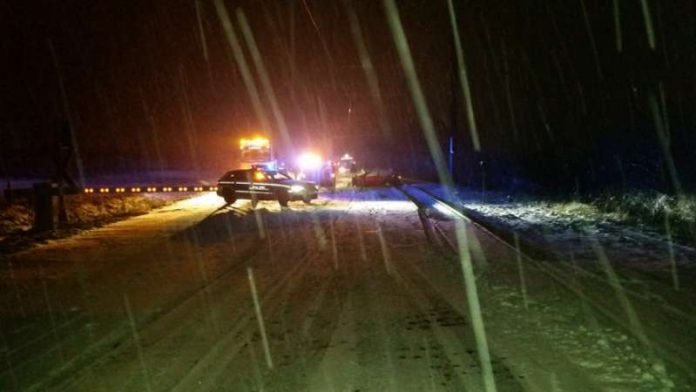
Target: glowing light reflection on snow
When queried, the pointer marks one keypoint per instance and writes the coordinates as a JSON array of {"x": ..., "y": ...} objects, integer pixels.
[
  {"x": 382, "y": 205},
  {"x": 447, "y": 210},
  {"x": 209, "y": 199}
]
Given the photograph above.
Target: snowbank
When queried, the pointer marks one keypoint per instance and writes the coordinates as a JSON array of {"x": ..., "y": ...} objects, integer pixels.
[{"x": 84, "y": 212}]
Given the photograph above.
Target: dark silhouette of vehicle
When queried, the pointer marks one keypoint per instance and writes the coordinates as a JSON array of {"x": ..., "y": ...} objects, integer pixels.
[
  {"x": 376, "y": 177},
  {"x": 257, "y": 184}
]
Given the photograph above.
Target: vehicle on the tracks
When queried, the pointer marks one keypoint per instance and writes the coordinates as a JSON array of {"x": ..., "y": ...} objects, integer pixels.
[
  {"x": 375, "y": 178},
  {"x": 346, "y": 164},
  {"x": 258, "y": 184}
]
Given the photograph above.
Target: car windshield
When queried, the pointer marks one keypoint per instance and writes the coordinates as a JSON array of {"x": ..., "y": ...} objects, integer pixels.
[{"x": 278, "y": 176}]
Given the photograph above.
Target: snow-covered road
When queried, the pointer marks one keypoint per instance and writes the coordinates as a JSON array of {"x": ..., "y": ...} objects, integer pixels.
[{"x": 346, "y": 294}]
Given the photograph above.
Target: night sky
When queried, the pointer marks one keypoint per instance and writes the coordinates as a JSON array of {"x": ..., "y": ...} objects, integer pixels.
[{"x": 154, "y": 84}]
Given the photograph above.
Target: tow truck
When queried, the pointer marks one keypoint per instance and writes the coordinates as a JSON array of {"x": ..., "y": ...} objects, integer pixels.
[{"x": 257, "y": 152}]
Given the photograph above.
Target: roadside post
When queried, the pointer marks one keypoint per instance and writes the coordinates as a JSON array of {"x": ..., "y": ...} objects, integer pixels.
[
  {"x": 451, "y": 157},
  {"x": 482, "y": 163},
  {"x": 43, "y": 207},
  {"x": 63, "y": 156},
  {"x": 8, "y": 192}
]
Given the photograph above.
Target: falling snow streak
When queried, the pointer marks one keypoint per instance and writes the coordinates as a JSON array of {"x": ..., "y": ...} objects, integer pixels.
[
  {"x": 361, "y": 239},
  {"x": 15, "y": 287},
  {"x": 436, "y": 153},
  {"x": 665, "y": 112},
  {"x": 593, "y": 44},
  {"x": 663, "y": 39},
  {"x": 263, "y": 76},
  {"x": 201, "y": 31},
  {"x": 136, "y": 340},
  {"x": 368, "y": 67},
  {"x": 520, "y": 268},
  {"x": 51, "y": 316},
  {"x": 647, "y": 19},
  {"x": 8, "y": 362},
  {"x": 319, "y": 232},
  {"x": 324, "y": 45},
  {"x": 474, "y": 306},
  {"x": 564, "y": 58},
  {"x": 633, "y": 321},
  {"x": 508, "y": 94},
  {"x": 617, "y": 25},
  {"x": 417, "y": 94},
  {"x": 259, "y": 318},
  {"x": 540, "y": 96},
  {"x": 292, "y": 51},
  {"x": 386, "y": 255},
  {"x": 242, "y": 64},
  {"x": 665, "y": 143},
  {"x": 334, "y": 247},
  {"x": 491, "y": 94},
  {"x": 670, "y": 250},
  {"x": 464, "y": 78},
  {"x": 581, "y": 94},
  {"x": 490, "y": 62},
  {"x": 280, "y": 32}
]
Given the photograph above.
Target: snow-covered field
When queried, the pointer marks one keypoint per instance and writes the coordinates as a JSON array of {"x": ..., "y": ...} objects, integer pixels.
[
  {"x": 344, "y": 294},
  {"x": 573, "y": 229}
]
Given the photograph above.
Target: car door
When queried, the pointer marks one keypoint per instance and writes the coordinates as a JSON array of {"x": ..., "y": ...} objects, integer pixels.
[
  {"x": 240, "y": 182},
  {"x": 227, "y": 181},
  {"x": 260, "y": 183}
]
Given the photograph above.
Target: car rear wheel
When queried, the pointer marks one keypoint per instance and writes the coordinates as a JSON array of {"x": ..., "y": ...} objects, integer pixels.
[
  {"x": 307, "y": 200},
  {"x": 230, "y": 199}
]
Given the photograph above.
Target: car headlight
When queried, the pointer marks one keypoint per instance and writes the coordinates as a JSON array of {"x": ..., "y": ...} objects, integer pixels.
[{"x": 296, "y": 189}]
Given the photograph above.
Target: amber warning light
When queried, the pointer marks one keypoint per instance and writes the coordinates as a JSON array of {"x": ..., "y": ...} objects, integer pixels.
[
  {"x": 138, "y": 189},
  {"x": 258, "y": 142}
]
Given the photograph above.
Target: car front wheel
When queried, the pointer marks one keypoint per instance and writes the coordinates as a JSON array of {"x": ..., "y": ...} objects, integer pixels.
[
  {"x": 283, "y": 199},
  {"x": 230, "y": 198}
]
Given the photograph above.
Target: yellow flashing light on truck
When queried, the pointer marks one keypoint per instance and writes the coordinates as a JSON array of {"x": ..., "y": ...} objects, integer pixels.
[
  {"x": 257, "y": 151},
  {"x": 255, "y": 143}
]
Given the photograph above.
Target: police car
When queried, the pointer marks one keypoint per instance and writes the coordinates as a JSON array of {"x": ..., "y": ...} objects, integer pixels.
[{"x": 258, "y": 184}]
